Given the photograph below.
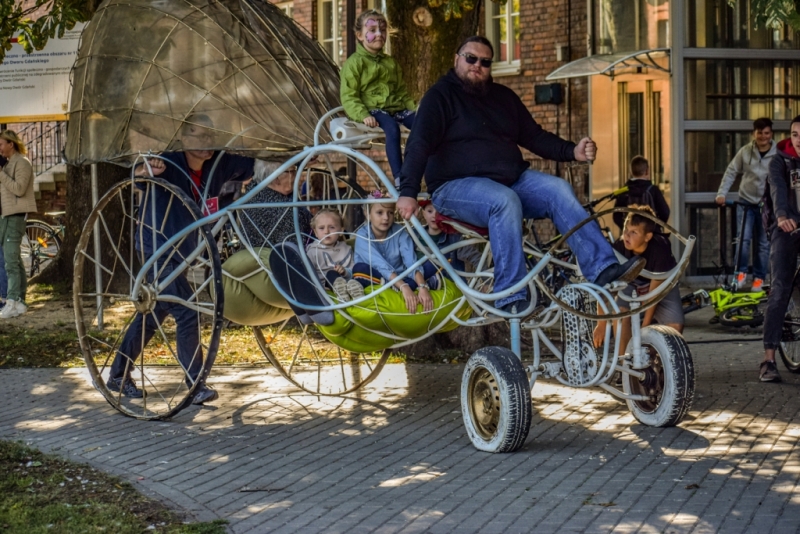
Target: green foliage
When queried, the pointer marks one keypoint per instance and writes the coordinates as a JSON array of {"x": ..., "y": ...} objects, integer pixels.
[
  {"x": 456, "y": 8},
  {"x": 774, "y": 13},
  {"x": 60, "y": 16}
]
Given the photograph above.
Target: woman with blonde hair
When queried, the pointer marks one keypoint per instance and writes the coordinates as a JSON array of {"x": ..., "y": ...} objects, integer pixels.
[{"x": 16, "y": 201}]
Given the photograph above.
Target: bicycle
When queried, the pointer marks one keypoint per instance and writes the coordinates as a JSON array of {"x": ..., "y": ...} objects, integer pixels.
[{"x": 41, "y": 243}]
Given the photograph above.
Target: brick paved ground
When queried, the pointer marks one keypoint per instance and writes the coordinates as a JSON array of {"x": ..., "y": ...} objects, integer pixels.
[{"x": 396, "y": 459}]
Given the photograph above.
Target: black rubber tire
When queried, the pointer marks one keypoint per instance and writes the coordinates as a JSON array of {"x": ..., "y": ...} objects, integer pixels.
[
  {"x": 789, "y": 348},
  {"x": 670, "y": 378},
  {"x": 496, "y": 400},
  {"x": 742, "y": 316},
  {"x": 40, "y": 245},
  {"x": 157, "y": 371}
]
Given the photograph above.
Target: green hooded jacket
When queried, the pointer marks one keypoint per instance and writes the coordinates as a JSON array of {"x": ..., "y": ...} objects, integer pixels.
[{"x": 373, "y": 82}]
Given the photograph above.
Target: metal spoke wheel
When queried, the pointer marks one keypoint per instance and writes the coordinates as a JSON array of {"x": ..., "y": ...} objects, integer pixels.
[
  {"x": 789, "y": 348},
  {"x": 176, "y": 311},
  {"x": 496, "y": 400},
  {"x": 314, "y": 364},
  {"x": 668, "y": 381},
  {"x": 39, "y": 246}
]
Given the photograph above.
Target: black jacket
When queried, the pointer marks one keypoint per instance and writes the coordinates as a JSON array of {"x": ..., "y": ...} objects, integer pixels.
[
  {"x": 784, "y": 203},
  {"x": 458, "y": 135},
  {"x": 636, "y": 190}
]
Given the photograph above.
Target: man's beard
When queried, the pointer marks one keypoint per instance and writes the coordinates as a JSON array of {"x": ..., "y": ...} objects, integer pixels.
[{"x": 475, "y": 88}]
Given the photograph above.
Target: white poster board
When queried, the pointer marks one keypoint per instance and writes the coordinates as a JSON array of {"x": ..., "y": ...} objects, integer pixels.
[{"x": 35, "y": 87}]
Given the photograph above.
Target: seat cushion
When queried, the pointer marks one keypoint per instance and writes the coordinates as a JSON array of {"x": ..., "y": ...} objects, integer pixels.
[{"x": 387, "y": 314}]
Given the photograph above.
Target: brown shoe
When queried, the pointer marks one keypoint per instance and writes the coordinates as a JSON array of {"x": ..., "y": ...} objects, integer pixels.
[{"x": 769, "y": 372}]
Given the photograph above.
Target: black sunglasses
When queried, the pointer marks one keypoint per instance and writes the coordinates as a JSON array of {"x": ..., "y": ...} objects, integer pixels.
[{"x": 469, "y": 58}]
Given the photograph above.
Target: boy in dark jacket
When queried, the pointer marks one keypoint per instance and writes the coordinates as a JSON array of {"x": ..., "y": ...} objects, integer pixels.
[
  {"x": 784, "y": 184},
  {"x": 641, "y": 191}
]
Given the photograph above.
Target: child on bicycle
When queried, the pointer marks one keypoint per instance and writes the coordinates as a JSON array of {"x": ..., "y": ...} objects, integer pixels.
[
  {"x": 332, "y": 257},
  {"x": 384, "y": 250},
  {"x": 641, "y": 238},
  {"x": 784, "y": 189},
  {"x": 372, "y": 87}
]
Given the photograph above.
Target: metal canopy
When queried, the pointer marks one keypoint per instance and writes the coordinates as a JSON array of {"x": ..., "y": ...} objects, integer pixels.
[
  {"x": 608, "y": 64},
  {"x": 164, "y": 75}
]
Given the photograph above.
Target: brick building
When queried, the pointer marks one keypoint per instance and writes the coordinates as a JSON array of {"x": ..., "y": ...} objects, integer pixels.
[{"x": 678, "y": 82}]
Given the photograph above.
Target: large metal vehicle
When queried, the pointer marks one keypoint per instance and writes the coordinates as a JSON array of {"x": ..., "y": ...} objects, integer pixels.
[{"x": 145, "y": 72}]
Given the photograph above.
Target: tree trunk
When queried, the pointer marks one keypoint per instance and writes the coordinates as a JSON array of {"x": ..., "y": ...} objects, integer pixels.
[
  {"x": 79, "y": 206},
  {"x": 425, "y": 46},
  {"x": 425, "y": 52}
]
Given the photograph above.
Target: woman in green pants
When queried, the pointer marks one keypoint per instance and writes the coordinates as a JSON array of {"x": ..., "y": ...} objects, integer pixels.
[{"x": 16, "y": 201}]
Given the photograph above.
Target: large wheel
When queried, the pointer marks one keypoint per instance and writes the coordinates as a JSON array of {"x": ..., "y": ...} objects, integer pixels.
[
  {"x": 39, "y": 246},
  {"x": 789, "y": 348},
  {"x": 314, "y": 364},
  {"x": 195, "y": 298},
  {"x": 750, "y": 315},
  {"x": 668, "y": 381},
  {"x": 496, "y": 400}
]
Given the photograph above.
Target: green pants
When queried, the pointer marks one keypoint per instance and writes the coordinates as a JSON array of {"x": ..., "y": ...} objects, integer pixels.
[{"x": 12, "y": 228}]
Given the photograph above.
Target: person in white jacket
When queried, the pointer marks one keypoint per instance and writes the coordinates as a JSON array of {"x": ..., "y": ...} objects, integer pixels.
[{"x": 752, "y": 162}]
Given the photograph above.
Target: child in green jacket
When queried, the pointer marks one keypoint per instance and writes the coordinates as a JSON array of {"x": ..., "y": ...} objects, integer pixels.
[{"x": 372, "y": 86}]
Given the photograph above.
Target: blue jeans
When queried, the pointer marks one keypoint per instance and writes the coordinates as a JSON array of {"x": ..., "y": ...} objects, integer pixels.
[
  {"x": 755, "y": 235},
  {"x": 190, "y": 353},
  {"x": 484, "y": 202},
  {"x": 3, "y": 275},
  {"x": 390, "y": 124}
]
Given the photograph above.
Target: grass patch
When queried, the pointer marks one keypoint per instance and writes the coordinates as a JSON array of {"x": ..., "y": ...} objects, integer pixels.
[
  {"x": 42, "y": 493},
  {"x": 22, "y": 347}
]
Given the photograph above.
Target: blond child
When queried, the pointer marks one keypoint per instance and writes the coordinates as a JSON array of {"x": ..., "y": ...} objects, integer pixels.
[{"x": 332, "y": 257}]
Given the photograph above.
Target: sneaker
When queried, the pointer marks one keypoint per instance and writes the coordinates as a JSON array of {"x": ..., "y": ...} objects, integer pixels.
[
  {"x": 739, "y": 280},
  {"x": 355, "y": 289},
  {"x": 205, "y": 394},
  {"x": 624, "y": 272},
  {"x": 13, "y": 308},
  {"x": 340, "y": 288},
  {"x": 769, "y": 372},
  {"x": 129, "y": 388},
  {"x": 758, "y": 285}
]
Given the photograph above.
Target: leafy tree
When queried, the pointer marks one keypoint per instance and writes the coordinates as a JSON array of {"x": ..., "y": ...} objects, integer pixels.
[
  {"x": 774, "y": 13},
  {"x": 34, "y": 22}
]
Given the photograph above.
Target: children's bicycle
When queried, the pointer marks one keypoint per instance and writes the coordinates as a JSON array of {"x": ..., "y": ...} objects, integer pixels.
[{"x": 41, "y": 243}]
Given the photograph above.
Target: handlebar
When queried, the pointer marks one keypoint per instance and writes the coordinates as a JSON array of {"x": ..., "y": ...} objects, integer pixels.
[{"x": 614, "y": 194}]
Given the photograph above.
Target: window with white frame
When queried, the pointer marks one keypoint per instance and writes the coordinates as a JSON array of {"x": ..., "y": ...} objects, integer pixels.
[
  {"x": 286, "y": 7},
  {"x": 329, "y": 29},
  {"x": 502, "y": 30}
]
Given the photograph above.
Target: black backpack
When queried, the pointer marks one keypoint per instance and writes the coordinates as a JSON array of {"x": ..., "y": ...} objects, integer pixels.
[{"x": 644, "y": 199}]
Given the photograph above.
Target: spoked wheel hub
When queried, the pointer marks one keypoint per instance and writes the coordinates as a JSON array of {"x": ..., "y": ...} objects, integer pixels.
[
  {"x": 146, "y": 299},
  {"x": 484, "y": 403}
]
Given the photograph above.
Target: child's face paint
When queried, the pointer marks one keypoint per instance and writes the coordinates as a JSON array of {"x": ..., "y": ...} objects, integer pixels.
[{"x": 373, "y": 35}]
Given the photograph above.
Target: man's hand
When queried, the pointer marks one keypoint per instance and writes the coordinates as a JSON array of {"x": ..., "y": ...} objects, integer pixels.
[
  {"x": 371, "y": 121},
  {"x": 585, "y": 150},
  {"x": 786, "y": 224},
  {"x": 406, "y": 207},
  {"x": 720, "y": 200},
  {"x": 156, "y": 165}
]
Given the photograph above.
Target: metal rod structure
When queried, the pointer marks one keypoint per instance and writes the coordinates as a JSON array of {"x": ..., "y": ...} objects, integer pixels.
[{"x": 98, "y": 273}]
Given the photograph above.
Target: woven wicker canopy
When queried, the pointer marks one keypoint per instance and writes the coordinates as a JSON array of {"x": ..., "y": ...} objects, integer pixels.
[{"x": 163, "y": 75}]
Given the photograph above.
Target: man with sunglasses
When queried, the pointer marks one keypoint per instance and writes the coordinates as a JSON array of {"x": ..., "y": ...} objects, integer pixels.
[{"x": 466, "y": 141}]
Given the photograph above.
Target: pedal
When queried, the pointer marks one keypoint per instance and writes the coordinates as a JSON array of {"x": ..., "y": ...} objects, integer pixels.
[{"x": 580, "y": 358}]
